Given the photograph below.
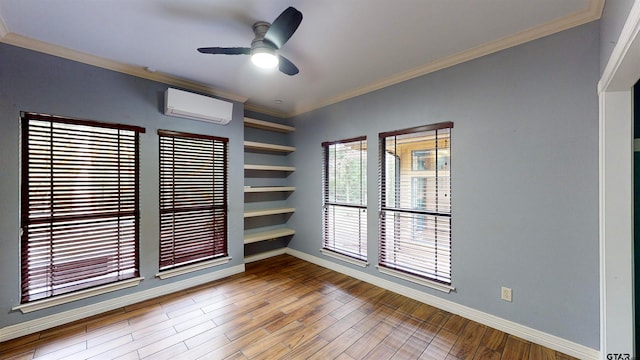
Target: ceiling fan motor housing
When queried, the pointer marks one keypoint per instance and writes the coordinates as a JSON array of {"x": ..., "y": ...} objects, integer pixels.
[
  {"x": 263, "y": 52},
  {"x": 269, "y": 38},
  {"x": 260, "y": 29}
]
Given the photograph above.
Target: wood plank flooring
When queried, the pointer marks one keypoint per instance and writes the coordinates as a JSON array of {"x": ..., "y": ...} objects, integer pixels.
[{"x": 280, "y": 308}]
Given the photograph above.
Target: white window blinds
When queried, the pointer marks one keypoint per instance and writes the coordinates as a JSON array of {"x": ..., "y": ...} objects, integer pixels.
[
  {"x": 345, "y": 197},
  {"x": 415, "y": 201}
]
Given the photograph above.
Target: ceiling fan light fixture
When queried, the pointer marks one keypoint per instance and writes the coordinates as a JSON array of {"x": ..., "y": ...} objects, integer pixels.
[
  {"x": 264, "y": 57},
  {"x": 268, "y": 39}
]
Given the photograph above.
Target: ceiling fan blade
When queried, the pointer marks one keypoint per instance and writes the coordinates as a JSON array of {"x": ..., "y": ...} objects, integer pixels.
[
  {"x": 225, "y": 50},
  {"x": 287, "y": 66},
  {"x": 283, "y": 27}
]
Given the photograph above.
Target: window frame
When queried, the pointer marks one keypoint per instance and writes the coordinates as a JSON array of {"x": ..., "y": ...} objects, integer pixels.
[
  {"x": 54, "y": 224},
  {"x": 181, "y": 260},
  {"x": 329, "y": 207},
  {"x": 407, "y": 216}
]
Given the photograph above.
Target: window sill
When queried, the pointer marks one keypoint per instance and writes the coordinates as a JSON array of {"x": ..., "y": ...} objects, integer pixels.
[
  {"x": 191, "y": 268},
  {"x": 416, "y": 279},
  {"x": 345, "y": 258},
  {"x": 77, "y": 295}
]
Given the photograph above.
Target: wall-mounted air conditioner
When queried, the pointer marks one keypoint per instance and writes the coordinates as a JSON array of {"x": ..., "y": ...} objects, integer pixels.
[{"x": 197, "y": 107}]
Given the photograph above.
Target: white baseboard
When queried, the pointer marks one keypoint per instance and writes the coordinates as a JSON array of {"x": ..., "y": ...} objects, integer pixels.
[
  {"x": 524, "y": 332},
  {"x": 50, "y": 321},
  {"x": 264, "y": 255},
  {"x": 509, "y": 327}
]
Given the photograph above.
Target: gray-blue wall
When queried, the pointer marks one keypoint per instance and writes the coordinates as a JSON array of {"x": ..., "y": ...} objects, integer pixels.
[
  {"x": 35, "y": 82},
  {"x": 524, "y": 177},
  {"x": 525, "y": 170}
]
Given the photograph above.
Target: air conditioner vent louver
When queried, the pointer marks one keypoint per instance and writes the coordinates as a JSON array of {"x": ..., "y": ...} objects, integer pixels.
[{"x": 197, "y": 107}]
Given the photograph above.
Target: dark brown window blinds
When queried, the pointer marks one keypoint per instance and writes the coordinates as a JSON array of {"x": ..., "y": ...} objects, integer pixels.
[
  {"x": 193, "y": 198},
  {"x": 345, "y": 197},
  {"x": 79, "y": 215},
  {"x": 415, "y": 201}
]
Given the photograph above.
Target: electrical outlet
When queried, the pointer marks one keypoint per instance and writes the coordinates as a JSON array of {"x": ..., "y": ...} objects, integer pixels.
[{"x": 506, "y": 294}]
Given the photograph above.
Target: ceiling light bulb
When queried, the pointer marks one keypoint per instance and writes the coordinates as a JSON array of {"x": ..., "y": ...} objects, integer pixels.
[{"x": 264, "y": 58}]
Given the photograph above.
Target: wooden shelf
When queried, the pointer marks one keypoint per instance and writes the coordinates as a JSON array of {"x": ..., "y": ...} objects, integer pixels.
[
  {"x": 269, "y": 167},
  {"x": 268, "y": 189},
  {"x": 268, "y": 147},
  {"x": 268, "y": 235},
  {"x": 276, "y": 225},
  {"x": 265, "y": 212},
  {"x": 267, "y": 125}
]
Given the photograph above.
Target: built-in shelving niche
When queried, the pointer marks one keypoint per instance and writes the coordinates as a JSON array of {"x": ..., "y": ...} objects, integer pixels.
[{"x": 266, "y": 185}]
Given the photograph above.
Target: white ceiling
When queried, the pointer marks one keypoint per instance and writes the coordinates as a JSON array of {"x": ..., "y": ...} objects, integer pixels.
[{"x": 343, "y": 48}]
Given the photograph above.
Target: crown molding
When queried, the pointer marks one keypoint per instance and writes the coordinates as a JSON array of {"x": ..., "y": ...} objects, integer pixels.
[
  {"x": 59, "y": 51},
  {"x": 591, "y": 13}
]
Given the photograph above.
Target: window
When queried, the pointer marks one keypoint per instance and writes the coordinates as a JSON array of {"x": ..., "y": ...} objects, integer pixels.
[
  {"x": 426, "y": 159},
  {"x": 415, "y": 202},
  {"x": 80, "y": 204},
  {"x": 419, "y": 200},
  {"x": 193, "y": 198},
  {"x": 345, "y": 197}
]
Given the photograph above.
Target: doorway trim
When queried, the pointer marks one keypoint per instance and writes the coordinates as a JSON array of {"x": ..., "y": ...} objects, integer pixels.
[{"x": 616, "y": 189}]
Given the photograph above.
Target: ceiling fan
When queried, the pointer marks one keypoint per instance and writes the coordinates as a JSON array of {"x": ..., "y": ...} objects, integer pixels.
[{"x": 268, "y": 39}]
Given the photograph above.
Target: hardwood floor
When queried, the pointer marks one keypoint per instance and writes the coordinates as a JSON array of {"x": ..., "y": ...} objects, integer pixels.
[{"x": 280, "y": 308}]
